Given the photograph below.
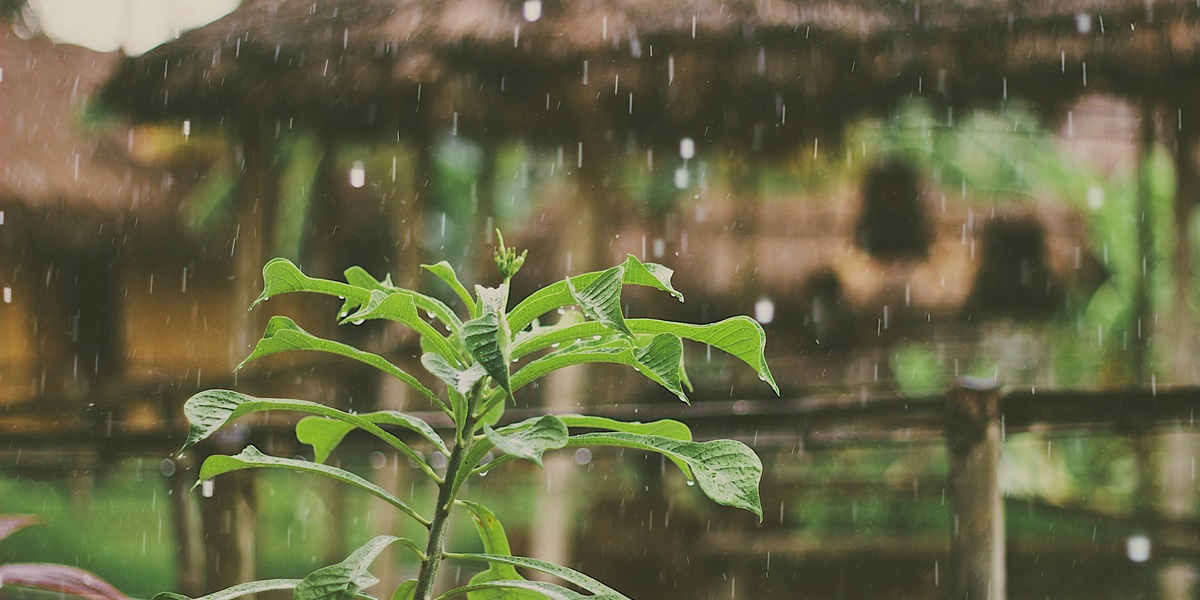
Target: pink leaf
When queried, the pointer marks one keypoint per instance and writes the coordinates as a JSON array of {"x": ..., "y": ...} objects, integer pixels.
[
  {"x": 10, "y": 524},
  {"x": 58, "y": 578}
]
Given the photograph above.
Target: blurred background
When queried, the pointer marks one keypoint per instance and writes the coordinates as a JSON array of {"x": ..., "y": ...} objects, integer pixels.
[{"x": 905, "y": 194}]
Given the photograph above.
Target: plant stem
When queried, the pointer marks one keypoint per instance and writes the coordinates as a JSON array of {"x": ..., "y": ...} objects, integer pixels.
[{"x": 435, "y": 549}]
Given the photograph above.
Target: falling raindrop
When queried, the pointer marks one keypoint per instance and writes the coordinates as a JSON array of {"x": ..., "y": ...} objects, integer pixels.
[
  {"x": 687, "y": 148},
  {"x": 7, "y": 295},
  {"x": 1083, "y": 23},
  {"x": 358, "y": 175},
  {"x": 532, "y": 10},
  {"x": 187, "y": 129},
  {"x": 681, "y": 177},
  {"x": 764, "y": 310},
  {"x": 1138, "y": 548},
  {"x": 206, "y": 488}
]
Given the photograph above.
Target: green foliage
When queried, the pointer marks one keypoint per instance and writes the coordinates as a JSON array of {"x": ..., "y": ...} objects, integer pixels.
[
  {"x": 58, "y": 580},
  {"x": 113, "y": 531},
  {"x": 473, "y": 361}
]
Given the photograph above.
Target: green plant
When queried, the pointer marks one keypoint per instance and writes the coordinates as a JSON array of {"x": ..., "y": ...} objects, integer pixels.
[
  {"x": 473, "y": 361},
  {"x": 60, "y": 580}
]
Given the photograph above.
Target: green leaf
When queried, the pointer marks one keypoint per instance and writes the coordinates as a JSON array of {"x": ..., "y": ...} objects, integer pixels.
[
  {"x": 344, "y": 580},
  {"x": 252, "y": 458},
  {"x": 545, "y": 433},
  {"x": 487, "y": 337},
  {"x": 495, "y": 541},
  {"x": 459, "y": 380},
  {"x": 664, "y": 428},
  {"x": 237, "y": 591},
  {"x": 406, "y": 591},
  {"x": 558, "y": 295},
  {"x": 569, "y": 575},
  {"x": 601, "y": 299},
  {"x": 324, "y": 434},
  {"x": 281, "y": 276},
  {"x": 504, "y": 590},
  {"x": 668, "y": 428},
  {"x": 436, "y": 308},
  {"x": 401, "y": 307},
  {"x": 207, "y": 411},
  {"x": 739, "y": 336},
  {"x": 446, "y": 273},
  {"x": 650, "y": 275},
  {"x": 728, "y": 471},
  {"x": 658, "y": 360},
  {"x": 284, "y": 335}
]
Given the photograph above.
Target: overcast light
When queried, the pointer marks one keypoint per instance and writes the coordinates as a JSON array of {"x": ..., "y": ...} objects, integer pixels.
[{"x": 135, "y": 25}]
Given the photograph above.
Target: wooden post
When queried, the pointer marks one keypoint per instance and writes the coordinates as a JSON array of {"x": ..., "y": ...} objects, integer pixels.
[
  {"x": 977, "y": 570},
  {"x": 228, "y": 516},
  {"x": 189, "y": 534}
]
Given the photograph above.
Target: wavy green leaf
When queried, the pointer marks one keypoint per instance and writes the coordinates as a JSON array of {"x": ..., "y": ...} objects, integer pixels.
[
  {"x": 487, "y": 337},
  {"x": 545, "y": 433},
  {"x": 601, "y": 299},
  {"x": 446, "y": 273},
  {"x": 281, "y": 276},
  {"x": 209, "y": 410},
  {"x": 650, "y": 275},
  {"x": 495, "y": 541},
  {"x": 558, "y": 295},
  {"x": 237, "y": 591},
  {"x": 569, "y": 575},
  {"x": 401, "y": 307},
  {"x": 509, "y": 590},
  {"x": 284, "y": 335},
  {"x": 739, "y": 336},
  {"x": 324, "y": 434},
  {"x": 432, "y": 306},
  {"x": 658, "y": 360},
  {"x": 727, "y": 470},
  {"x": 344, "y": 580},
  {"x": 252, "y": 458}
]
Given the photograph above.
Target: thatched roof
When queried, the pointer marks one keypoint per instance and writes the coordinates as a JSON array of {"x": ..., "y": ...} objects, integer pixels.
[
  {"x": 755, "y": 72},
  {"x": 56, "y": 169}
]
